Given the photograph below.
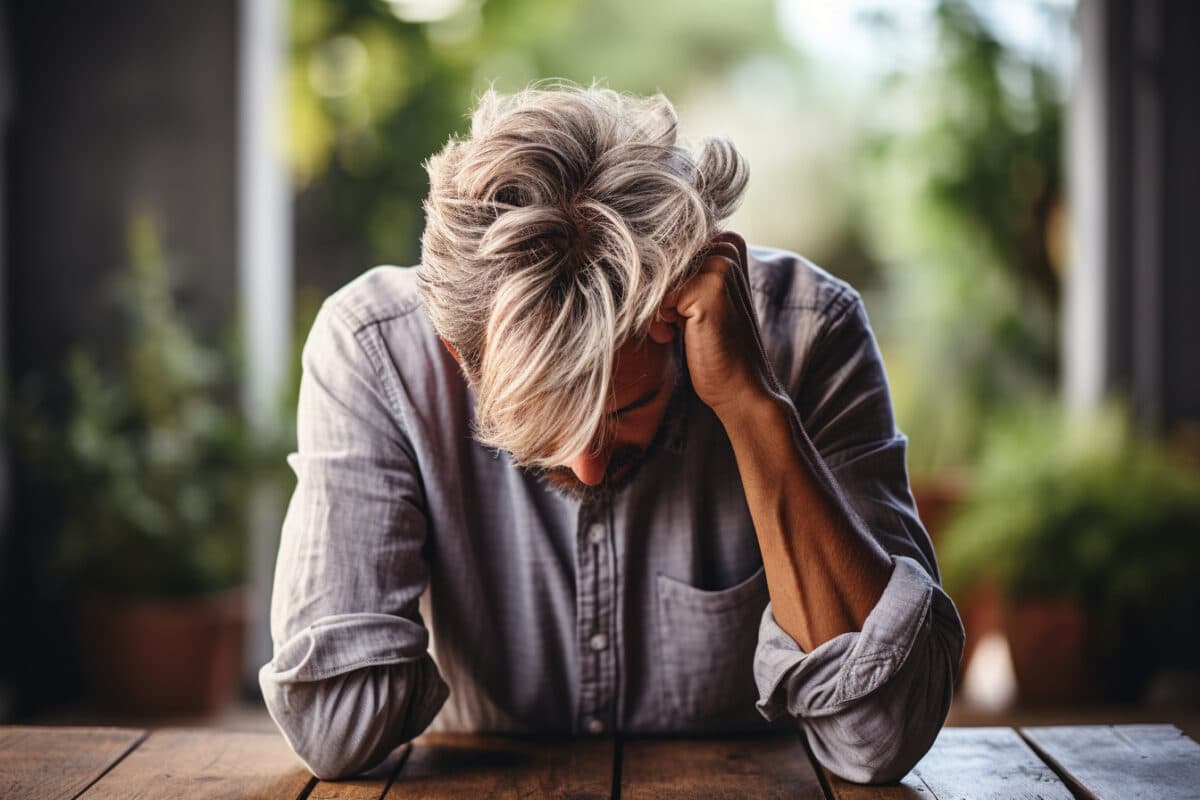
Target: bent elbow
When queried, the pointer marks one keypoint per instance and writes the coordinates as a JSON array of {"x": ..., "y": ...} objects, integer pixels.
[
  {"x": 884, "y": 757},
  {"x": 868, "y": 765},
  {"x": 349, "y": 723},
  {"x": 331, "y": 743},
  {"x": 330, "y": 764},
  {"x": 884, "y": 737}
]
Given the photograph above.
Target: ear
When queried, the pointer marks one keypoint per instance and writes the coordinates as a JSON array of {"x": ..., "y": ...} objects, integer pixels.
[{"x": 453, "y": 352}]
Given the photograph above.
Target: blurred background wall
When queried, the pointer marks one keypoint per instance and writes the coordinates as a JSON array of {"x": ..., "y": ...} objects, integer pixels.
[
  {"x": 116, "y": 109},
  {"x": 1137, "y": 122},
  {"x": 113, "y": 109},
  {"x": 1012, "y": 185}
]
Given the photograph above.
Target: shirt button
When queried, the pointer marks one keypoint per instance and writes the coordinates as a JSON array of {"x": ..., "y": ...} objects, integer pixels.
[
  {"x": 598, "y": 641},
  {"x": 596, "y": 534},
  {"x": 594, "y": 726}
]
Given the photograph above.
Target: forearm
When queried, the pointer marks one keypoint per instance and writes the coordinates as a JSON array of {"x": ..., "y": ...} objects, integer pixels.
[
  {"x": 824, "y": 571},
  {"x": 870, "y": 703}
]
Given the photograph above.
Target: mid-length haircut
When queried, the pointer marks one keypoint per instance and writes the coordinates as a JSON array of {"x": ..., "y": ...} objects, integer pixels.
[{"x": 554, "y": 231}]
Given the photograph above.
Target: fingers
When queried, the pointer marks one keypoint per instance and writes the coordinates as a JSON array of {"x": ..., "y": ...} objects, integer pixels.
[
  {"x": 732, "y": 245},
  {"x": 697, "y": 294},
  {"x": 724, "y": 270},
  {"x": 738, "y": 242},
  {"x": 721, "y": 256},
  {"x": 725, "y": 259},
  {"x": 743, "y": 260}
]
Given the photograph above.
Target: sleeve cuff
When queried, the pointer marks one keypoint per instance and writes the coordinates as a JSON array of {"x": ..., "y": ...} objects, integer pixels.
[
  {"x": 344, "y": 642},
  {"x": 852, "y": 665}
]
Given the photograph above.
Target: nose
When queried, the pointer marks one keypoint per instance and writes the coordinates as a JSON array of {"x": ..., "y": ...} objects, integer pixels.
[{"x": 590, "y": 467}]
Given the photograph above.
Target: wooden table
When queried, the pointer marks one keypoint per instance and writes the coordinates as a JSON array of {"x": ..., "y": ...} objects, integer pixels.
[{"x": 1156, "y": 762}]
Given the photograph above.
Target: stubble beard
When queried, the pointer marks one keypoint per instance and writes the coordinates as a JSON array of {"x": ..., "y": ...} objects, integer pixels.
[
  {"x": 622, "y": 469},
  {"x": 624, "y": 465}
]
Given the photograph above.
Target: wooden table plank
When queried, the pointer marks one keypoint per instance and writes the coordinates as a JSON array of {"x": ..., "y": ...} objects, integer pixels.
[
  {"x": 457, "y": 766},
  {"x": 183, "y": 763},
  {"x": 369, "y": 786},
  {"x": 1112, "y": 762},
  {"x": 967, "y": 764},
  {"x": 40, "y": 763},
  {"x": 758, "y": 767}
]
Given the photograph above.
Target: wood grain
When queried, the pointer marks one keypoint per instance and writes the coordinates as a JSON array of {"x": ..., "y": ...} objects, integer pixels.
[
  {"x": 43, "y": 763},
  {"x": 758, "y": 767},
  {"x": 369, "y": 786},
  {"x": 967, "y": 763},
  {"x": 180, "y": 763},
  {"x": 458, "y": 766},
  {"x": 1156, "y": 762}
]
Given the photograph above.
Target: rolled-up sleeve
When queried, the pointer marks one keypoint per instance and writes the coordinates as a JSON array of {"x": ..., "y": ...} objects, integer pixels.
[
  {"x": 351, "y": 676},
  {"x": 872, "y": 701}
]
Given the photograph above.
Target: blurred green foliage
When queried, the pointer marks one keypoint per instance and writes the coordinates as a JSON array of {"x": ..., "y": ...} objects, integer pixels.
[
  {"x": 148, "y": 466},
  {"x": 1080, "y": 506},
  {"x": 373, "y": 93},
  {"x": 996, "y": 148},
  {"x": 970, "y": 225}
]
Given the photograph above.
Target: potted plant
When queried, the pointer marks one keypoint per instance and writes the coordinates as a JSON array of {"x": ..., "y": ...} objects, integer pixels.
[
  {"x": 1092, "y": 535},
  {"x": 151, "y": 466}
]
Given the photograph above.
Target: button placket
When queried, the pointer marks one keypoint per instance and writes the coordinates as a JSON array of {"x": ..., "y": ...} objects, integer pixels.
[{"x": 594, "y": 612}]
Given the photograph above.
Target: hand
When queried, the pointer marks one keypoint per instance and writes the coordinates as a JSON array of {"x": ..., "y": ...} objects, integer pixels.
[{"x": 715, "y": 313}]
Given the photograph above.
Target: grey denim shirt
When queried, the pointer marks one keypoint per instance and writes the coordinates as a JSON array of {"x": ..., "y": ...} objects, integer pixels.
[{"x": 424, "y": 582}]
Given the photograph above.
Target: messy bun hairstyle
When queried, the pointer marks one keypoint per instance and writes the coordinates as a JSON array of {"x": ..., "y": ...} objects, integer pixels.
[{"x": 553, "y": 233}]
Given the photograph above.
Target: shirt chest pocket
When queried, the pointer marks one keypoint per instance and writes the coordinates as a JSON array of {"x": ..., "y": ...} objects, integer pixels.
[{"x": 706, "y": 642}]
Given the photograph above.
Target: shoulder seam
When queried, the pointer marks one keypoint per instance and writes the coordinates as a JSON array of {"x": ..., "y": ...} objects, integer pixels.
[
  {"x": 836, "y": 306},
  {"x": 369, "y": 346},
  {"x": 358, "y": 323},
  {"x": 845, "y": 300},
  {"x": 831, "y": 297},
  {"x": 358, "y": 305}
]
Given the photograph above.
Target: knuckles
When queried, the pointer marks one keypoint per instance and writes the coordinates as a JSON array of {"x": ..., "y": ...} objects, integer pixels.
[{"x": 708, "y": 292}]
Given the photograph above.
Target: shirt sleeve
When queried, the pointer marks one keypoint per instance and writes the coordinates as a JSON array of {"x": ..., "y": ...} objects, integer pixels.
[
  {"x": 351, "y": 676},
  {"x": 870, "y": 702}
]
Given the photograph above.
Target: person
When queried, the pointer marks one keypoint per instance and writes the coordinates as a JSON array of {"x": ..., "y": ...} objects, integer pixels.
[{"x": 633, "y": 474}]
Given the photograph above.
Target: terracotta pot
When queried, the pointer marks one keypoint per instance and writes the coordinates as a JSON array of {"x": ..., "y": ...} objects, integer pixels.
[
  {"x": 937, "y": 498},
  {"x": 1048, "y": 639},
  {"x": 981, "y": 613},
  {"x": 164, "y": 656}
]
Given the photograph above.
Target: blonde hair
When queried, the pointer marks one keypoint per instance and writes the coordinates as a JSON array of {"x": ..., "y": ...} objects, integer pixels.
[{"x": 553, "y": 233}]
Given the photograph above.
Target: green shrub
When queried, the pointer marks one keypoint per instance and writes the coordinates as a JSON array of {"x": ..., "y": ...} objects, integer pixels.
[
  {"x": 1083, "y": 507},
  {"x": 147, "y": 466}
]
